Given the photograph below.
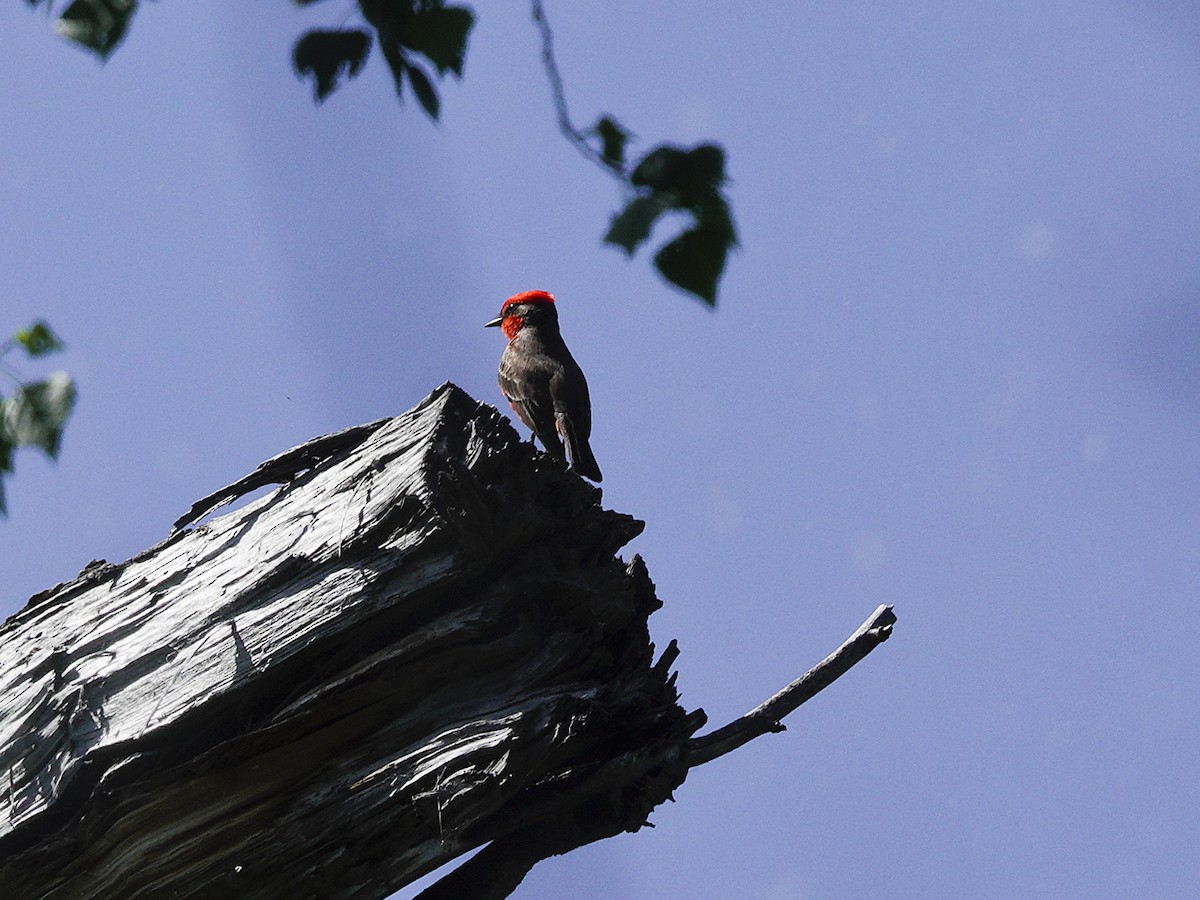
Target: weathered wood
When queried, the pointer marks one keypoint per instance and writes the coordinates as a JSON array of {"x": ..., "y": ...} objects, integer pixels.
[{"x": 421, "y": 642}]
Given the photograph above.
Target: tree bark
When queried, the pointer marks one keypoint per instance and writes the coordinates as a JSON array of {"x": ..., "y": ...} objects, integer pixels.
[{"x": 419, "y": 643}]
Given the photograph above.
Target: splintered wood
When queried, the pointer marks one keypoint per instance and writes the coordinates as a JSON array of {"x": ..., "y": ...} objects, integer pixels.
[{"x": 419, "y": 642}]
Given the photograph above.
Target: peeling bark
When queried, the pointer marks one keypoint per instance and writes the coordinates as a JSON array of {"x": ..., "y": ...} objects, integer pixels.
[{"x": 420, "y": 642}]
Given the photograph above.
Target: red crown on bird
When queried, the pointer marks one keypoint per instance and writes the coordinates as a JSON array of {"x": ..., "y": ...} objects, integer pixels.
[{"x": 527, "y": 297}]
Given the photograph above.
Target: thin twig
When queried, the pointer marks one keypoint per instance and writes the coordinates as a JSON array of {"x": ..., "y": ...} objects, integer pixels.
[
  {"x": 9, "y": 370},
  {"x": 572, "y": 134},
  {"x": 766, "y": 717}
]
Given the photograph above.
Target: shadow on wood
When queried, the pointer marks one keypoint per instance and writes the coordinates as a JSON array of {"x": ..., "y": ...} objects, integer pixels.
[{"x": 421, "y": 642}]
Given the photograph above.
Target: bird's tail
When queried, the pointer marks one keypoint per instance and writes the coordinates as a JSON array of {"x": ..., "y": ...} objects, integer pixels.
[{"x": 582, "y": 460}]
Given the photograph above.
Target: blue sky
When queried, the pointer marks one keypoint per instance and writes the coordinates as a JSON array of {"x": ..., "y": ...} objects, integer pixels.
[{"x": 954, "y": 368}]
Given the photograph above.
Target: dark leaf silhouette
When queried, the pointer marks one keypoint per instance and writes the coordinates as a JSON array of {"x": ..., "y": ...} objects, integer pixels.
[
  {"x": 692, "y": 175},
  {"x": 695, "y": 260},
  {"x": 613, "y": 138},
  {"x": 98, "y": 25},
  {"x": 424, "y": 90},
  {"x": 440, "y": 34},
  {"x": 325, "y": 55},
  {"x": 426, "y": 27},
  {"x": 690, "y": 181},
  {"x": 633, "y": 224}
]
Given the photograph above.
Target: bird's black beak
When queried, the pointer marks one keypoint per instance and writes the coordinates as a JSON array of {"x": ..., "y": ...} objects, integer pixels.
[{"x": 492, "y": 324}]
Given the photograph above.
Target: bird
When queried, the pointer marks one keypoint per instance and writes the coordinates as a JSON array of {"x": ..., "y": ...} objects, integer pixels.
[{"x": 542, "y": 382}]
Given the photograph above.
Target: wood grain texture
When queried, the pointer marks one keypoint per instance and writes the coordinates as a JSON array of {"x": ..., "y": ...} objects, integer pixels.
[{"x": 419, "y": 642}]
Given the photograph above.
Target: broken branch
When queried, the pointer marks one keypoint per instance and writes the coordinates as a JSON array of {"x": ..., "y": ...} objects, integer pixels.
[{"x": 767, "y": 716}]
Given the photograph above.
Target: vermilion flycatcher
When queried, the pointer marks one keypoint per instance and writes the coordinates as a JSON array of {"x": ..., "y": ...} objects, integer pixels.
[{"x": 542, "y": 381}]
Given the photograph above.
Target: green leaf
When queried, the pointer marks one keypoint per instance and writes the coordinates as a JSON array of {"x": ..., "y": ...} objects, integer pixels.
[
  {"x": 693, "y": 176},
  {"x": 428, "y": 27},
  {"x": 396, "y": 62},
  {"x": 424, "y": 90},
  {"x": 98, "y": 25},
  {"x": 326, "y": 54},
  {"x": 35, "y": 414},
  {"x": 704, "y": 167},
  {"x": 440, "y": 33},
  {"x": 688, "y": 180},
  {"x": 632, "y": 225},
  {"x": 660, "y": 169},
  {"x": 613, "y": 138},
  {"x": 38, "y": 339},
  {"x": 695, "y": 260},
  {"x": 713, "y": 213}
]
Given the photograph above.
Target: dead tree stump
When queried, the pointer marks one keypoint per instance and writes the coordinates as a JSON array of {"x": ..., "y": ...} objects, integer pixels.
[{"x": 420, "y": 642}]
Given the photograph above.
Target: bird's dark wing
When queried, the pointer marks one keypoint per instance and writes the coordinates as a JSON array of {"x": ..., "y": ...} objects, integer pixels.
[{"x": 538, "y": 415}]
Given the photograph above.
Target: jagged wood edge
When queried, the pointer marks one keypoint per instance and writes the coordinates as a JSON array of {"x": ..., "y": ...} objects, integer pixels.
[
  {"x": 495, "y": 871},
  {"x": 281, "y": 469}
]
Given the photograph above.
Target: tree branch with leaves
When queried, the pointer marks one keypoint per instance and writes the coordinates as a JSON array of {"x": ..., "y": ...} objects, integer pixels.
[
  {"x": 667, "y": 179},
  {"x": 36, "y": 412},
  {"x": 423, "y": 41}
]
